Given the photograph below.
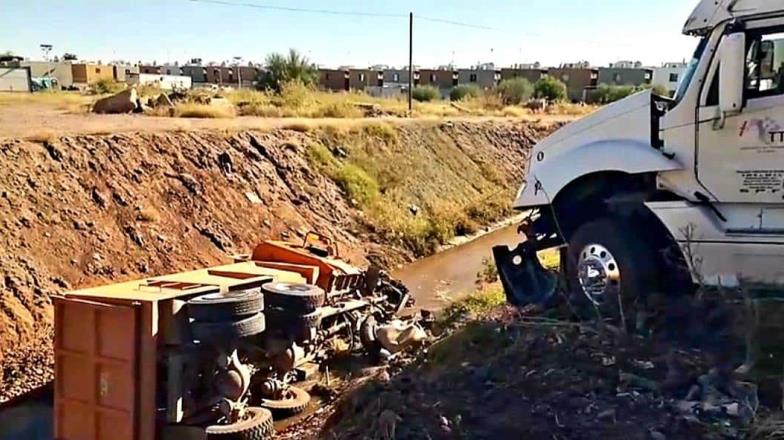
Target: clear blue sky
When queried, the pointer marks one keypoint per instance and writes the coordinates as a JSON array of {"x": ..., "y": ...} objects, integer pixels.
[{"x": 549, "y": 31}]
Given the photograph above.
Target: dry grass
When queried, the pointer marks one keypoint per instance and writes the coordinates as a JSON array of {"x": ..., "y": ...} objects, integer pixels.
[
  {"x": 72, "y": 102},
  {"x": 203, "y": 111},
  {"x": 149, "y": 215},
  {"x": 43, "y": 137}
]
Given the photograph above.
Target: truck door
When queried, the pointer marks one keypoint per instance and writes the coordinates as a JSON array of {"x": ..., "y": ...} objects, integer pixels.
[{"x": 741, "y": 160}]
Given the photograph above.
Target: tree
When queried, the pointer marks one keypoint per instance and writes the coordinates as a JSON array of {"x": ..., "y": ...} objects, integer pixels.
[
  {"x": 69, "y": 56},
  {"x": 550, "y": 88},
  {"x": 515, "y": 91},
  {"x": 606, "y": 94},
  {"x": 460, "y": 93},
  {"x": 425, "y": 94},
  {"x": 293, "y": 67}
]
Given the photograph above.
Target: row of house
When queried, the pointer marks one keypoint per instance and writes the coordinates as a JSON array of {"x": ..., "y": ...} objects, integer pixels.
[{"x": 580, "y": 78}]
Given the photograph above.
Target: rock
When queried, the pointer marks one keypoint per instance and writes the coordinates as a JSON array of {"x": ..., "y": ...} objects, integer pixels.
[
  {"x": 608, "y": 415},
  {"x": 119, "y": 199},
  {"x": 133, "y": 234},
  {"x": 190, "y": 183},
  {"x": 635, "y": 381},
  {"x": 123, "y": 102},
  {"x": 414, "y": 210},
  {"x": 253, "y": 197},
  {"x": 225, "y": 163},
  {"x": 98, "y": 198}
]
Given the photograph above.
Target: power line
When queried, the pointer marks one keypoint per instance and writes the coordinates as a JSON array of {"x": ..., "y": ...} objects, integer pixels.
[
  {"x": 306, "y": 10},
  {"x": 343, "y": 13},
  {"x": 457, "y": 23}
]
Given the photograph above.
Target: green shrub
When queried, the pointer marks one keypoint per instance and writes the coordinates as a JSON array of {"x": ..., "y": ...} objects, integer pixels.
[
  {"x": 550, "y": 88},
  {"x": 460, "y": 93},
  {"x": 515, "y": 91},
  {"x": 357, "y": 183},
  {"x": 606, "y": 93},
  {"x": 657, "y": 89},
  {"x": 425, "y": 94},
  {"x": 106, "y": 86},
  {"x": 282, "y": 69}
]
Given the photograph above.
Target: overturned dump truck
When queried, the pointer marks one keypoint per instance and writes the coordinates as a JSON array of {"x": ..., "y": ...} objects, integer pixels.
[{"x": 214, "y": 353}]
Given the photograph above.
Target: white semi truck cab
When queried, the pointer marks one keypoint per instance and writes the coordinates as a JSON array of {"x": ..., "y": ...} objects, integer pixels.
[{"x": 657, "y": 195}]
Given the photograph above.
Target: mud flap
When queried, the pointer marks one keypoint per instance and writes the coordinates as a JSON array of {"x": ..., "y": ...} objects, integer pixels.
[{"x": 524, "y": 279}]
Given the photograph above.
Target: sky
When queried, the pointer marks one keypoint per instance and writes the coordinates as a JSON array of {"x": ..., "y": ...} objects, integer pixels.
[{"x": 505, "y": 32}]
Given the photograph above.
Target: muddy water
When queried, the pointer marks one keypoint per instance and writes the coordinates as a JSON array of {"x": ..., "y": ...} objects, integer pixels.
[{"x": 447, "y": 276}]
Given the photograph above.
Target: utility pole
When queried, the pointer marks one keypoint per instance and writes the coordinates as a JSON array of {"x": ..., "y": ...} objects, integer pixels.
[
  {"x": 411, "y": 63},
  {"x": 47, "y": 49},
  {"x": 238, "y": 60}
]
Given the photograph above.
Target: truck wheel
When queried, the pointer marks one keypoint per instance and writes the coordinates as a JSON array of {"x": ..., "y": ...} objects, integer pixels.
[
  {"x": 226, "y": 330},
  {"x": 607, "y": 262},
  {"x": 293, "y": 298},
  {"x": 256, "y": 425},
  {"x": 225, "y": 306},
  {"x": 294, "y": 401}
]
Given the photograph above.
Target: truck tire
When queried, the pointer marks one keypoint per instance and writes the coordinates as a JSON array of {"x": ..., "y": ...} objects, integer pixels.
[
  {"x": 257, "y": 425},
  {"x": 606, "y": 261},
  {"x": 225, "y": 306},
  {"x": 226, "y": 330},
  {"x": 295, "y": 401},
  {"x": 293, "y": 298}
]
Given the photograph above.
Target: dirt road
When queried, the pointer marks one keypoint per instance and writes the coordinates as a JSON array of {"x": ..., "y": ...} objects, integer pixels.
[{"x": 41, "y": 121}]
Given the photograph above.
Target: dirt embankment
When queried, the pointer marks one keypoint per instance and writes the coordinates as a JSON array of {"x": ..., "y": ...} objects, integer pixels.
[{"x": 85, "y": 210}]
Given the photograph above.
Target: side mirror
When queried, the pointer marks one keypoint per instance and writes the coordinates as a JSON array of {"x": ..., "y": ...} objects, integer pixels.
[{"x": 732, "y": 54}]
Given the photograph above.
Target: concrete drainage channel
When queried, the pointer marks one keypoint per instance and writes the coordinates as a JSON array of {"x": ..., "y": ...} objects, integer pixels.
[{"x": 433, "y": 282}]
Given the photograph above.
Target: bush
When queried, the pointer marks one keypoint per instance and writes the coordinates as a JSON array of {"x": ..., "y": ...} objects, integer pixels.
[
  {"x": 657, "y": 89},
  {"x": 606, "y": 94},
  {"x": 282, "y": 69},
  {"x": 202, "y": 111},
  {"x": 460, "y": 93},
  {"x": 426, "y": 94},
  {"x": 550, "y": 88},
  {"x": 106, "y": 86},
  {"x": 515, "y": 91},
  {"x": 357, "y": 183}
]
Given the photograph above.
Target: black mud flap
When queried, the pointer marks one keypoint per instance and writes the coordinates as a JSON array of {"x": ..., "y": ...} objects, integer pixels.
[{"x": 524, "y": 279}]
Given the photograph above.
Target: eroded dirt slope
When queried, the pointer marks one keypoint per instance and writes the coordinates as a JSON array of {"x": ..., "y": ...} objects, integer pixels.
[{"x": 85, "y": 210}]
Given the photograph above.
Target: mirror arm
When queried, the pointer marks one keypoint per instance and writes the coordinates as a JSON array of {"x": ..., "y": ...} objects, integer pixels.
[{"x": 721, "y": 121}]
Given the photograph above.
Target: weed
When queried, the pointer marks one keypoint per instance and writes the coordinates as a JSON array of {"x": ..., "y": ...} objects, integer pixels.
[
  {"x": 321, "y": 156},
  {"x": 149, "y": 215},
  {"x": 380, "y": 130},
  {"x": 301, "y": 127},
  {"x": 191, "y": 110},
  {"x": 488, "y": 274},
  {"x": 475, "y": 306},
  {"x": 43, "y": 137},
  {"x": 106, "y": 86},
  {"x": 339, "y": 110},
  {"x": 357, "y": 184}
]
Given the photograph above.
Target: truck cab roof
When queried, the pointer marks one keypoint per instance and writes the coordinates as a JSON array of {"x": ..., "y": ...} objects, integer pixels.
[{"x": 709, "y": 13}]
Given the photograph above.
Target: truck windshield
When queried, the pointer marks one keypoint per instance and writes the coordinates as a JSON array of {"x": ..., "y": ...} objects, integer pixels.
[{"x": 687, "y": 77}]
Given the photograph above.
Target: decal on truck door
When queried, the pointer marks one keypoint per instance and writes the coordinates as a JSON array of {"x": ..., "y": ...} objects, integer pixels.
[
  {"x": 761, "y": 181},
  {"x": 768, "y": 131}
]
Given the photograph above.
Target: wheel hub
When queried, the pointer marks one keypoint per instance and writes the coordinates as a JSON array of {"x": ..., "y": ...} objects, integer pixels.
[{"x": 598, "y": 273}]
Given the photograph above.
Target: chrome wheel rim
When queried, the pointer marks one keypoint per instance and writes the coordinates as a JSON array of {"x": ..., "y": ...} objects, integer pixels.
[{"x": 598, "y": 273}]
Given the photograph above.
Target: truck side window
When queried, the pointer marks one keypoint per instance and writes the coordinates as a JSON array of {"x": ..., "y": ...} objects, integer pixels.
[{"x": 765, "y": 66}]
